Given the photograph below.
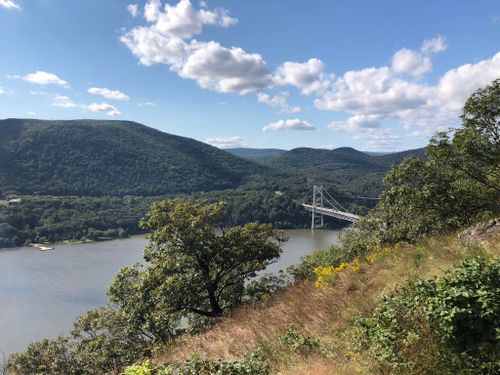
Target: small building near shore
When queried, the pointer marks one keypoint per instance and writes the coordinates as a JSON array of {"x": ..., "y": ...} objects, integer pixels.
[{"x": 14, "y": 202}]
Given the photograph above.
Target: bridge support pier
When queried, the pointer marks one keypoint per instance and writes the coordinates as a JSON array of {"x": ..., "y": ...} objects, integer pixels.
[{"x": 317, "y": 220}]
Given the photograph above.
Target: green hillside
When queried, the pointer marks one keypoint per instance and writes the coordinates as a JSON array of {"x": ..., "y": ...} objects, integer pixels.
[
  {"x": 255, "y": 153},
  {"x": 95, "y": 158}
]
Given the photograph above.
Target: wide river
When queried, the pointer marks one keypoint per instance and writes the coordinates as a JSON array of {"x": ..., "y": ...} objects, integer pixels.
[{"x": 41, "y": 293}]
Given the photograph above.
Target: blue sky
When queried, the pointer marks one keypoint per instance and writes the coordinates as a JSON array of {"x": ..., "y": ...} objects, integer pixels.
[{"x": 379, "y": 75}]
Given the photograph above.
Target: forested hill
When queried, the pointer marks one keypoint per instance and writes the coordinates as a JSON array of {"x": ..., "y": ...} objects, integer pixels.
[
  {"x": 94, "y": 158},
  {"x": 304, "y": 157},
  {"x": 255, "y": 153}
]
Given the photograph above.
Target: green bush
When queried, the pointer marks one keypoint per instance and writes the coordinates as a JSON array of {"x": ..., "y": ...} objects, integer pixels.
[
  {"x": 297, "y": 342},
  {"x": 200, "y": 366},
  {"x": 451, "y": 322}
]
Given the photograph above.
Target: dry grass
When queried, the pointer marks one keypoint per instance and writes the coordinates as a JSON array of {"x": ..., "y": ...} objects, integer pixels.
[{"x": 327, "y": 313}]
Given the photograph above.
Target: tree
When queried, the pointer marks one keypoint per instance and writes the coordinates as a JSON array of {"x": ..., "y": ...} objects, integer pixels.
[
  {"x": 196, "y": 265},
  {"x": 474, "y": 148}
]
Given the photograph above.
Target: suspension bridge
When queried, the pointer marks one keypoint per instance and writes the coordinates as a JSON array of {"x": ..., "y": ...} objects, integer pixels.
[{"x": 323, "y": 204}]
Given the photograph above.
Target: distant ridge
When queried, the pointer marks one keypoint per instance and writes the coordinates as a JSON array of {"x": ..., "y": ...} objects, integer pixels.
[
  {"x": 255, "y": 153},
  {"x": 96, "y": 158}
]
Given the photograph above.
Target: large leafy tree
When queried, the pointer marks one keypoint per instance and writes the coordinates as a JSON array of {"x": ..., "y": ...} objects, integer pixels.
[
  {"x": 474, "y": 149},
  {"x": 196, "y": 266}
]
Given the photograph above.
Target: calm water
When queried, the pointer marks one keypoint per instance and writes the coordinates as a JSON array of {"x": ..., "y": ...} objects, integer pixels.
[{"x": 41, "y": 293}]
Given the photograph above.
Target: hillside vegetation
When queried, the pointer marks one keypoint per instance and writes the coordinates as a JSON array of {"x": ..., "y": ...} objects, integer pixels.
[{"x": 115, "y": 158}]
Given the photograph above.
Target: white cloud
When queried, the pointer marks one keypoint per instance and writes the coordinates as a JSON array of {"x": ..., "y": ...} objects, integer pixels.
[
  {"x": 108, "y": 94},
  {"x": 406, "y": 61},
  {"x": 372, "y": 91},
  {"x": 291, "y": 124},
  {"x": 226, "y": 142},
  {"x": 226, "y": 70},
  {"x": 278, "y": 101},
  {"x": 183, "y": 20},
  {"x": 152, "y": 47},
  {"x": 434, "y": 45},
  {"x": 379, "y": 139},
  {"x": 32, "y": 114},
  {"x": 63, "y": 101},
  {"x": 147, "y": 104},
  {"x": 2, "y": 91},
  {"x": 356, "y": 122},
  {"x": 133, "y": 9},
  {"x": 306, "y": 76},
  {"x": 457, "y": 84},
  {"x": 110, "y": 110},
  {"x": 167, "y": 40},
  {"x": 9, "y": 4},
  {"x": 44, "y": 78},
  {"x": 373, "y": 96}
]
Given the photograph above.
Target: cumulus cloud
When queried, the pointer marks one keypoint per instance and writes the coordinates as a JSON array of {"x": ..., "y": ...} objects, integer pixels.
[
  {"x": 133, "y": 9},
  {"x": 226, "y": 142},
  {"x": 279, "y": 101},
  {"x": 406, "y": 61},
  {"x": 434, "y": 45},
  {"x": 168, "y": 40},
  {"x": 45, "y": 78},
  {"x": 107, "y": 93},
  {"x": 372, "y": 91},
  {"x": 32, "y": 114},
  {"x": 375, "y": 95},
  {"x": 307, "y": 76},
  {"x": 2, "y": 91},
  {"x": 9, "y": 4},
  {"x": 183, "y": 20},
  {"x": 109, "y": 109},
  {"x": 147, "y": 104},
  {"x": 63, "y": 101},
  {"x": 291, "y": 124},
  {"x": 226, "y": 70}
]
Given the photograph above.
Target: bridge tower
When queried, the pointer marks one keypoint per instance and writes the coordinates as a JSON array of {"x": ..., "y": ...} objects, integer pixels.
[{"x": 317, "y": 201}]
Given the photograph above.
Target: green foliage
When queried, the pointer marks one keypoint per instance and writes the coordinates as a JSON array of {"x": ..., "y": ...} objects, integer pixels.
[
  {"x": 48, "y": 357},
  {"x": 260, "y": 290},
  {"x": 200, "y": 366},
  {"x": 97, "y": 158},
  {"x": 454, "y": 318},
  {"x": 196, "y": 268},
  {"x": 475, "y": 147},
  {"x": 333, "y": 256},
  {"x": 105, "y": 340},
  {"x": 295, "y": 341},
  {"x": 139, "y": 298},
  {"x": 144, "y": 368},
  {"x": 55, "y": 219}
]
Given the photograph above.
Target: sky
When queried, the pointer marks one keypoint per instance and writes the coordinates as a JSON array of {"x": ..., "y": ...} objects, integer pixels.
[{"x": 374, "y": 75}]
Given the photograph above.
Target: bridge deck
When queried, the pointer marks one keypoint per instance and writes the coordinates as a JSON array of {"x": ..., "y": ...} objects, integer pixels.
[{"x": 331, "y": 212}]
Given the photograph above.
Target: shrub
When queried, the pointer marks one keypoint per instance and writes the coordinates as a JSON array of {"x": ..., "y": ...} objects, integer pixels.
[
  {"x": 451, "y": 322},
  {"x": 200, "y": 366}
]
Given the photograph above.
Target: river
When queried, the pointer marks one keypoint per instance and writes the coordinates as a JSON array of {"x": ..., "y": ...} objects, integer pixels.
[{"x": 41, "y": 293}]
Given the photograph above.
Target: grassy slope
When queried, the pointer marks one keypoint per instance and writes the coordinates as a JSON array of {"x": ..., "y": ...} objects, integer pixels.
[{"x": 327, "y": 313}]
